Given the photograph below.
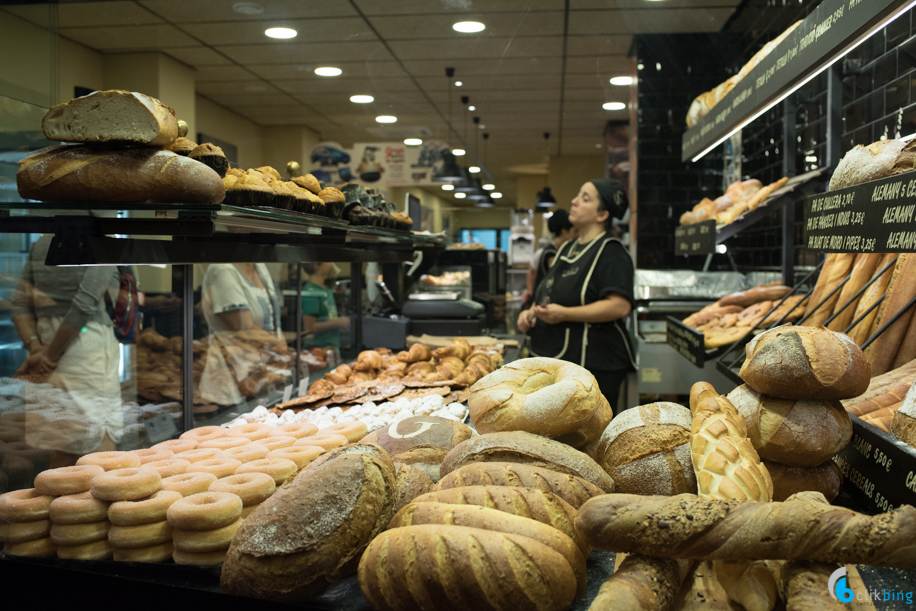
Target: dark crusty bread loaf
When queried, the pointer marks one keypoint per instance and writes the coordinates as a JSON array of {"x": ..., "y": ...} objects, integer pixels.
[
  {"x": 527, "y": 448},
  {"x": 805, "y": 363},
  {"x": 433, "y": 568},
  {"x": 545, "y": 507},
  {"x": 824, "y": 478},
  {"x": 79, "y": 173},
  {"x": 642, "y": 583},
  {"x": 574, "y": 490},
  {"x": 411, "y": 483},
  {"x": 112, "y": 116},
  {"x": 491, "y": 519},
  {"x": 312, "y": 531},
  {"x": 877, "y": 160}
]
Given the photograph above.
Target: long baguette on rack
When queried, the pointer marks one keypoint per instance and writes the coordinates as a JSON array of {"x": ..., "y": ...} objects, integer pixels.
[
  {"x": 884, "y": 383},
  {"x": 862, "y": 270},
  {"x": 817, "y": 293},
  {"x": 686, "y": 526},
  {"x": 840, "y": 266},
  {"x": 754, "y": 295},
  {"x": 882, "y": 352},
  {"x": 894, "y": 395},
  {"x": 860, "y": 332}
]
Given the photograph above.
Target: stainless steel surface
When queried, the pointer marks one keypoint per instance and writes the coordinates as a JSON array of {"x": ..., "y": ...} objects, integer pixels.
[
  {"x": 664, "y": 371},
  {"x": 437, "y": 296},
  {"x": 681, "y": 284}
]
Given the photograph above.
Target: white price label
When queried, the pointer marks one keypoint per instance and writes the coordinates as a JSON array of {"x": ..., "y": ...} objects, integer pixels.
[
  {"x": 287, "y": 392},
  {"x": 160, "y": 427},
  {"x": 304, "y": 385}
]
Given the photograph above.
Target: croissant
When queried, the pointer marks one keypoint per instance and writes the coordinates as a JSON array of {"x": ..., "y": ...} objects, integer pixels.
[
  {"x": 368, "y": 359},
  {"x": 450, "y": 366},
  {"x": 324, "y": 384},
  {"x": 423, "y": 367},
  {"x": 417, "y": 352},
  {"x": 361, "y": 376},
  {"x": 340, "y": 375},
  {"x": 459, "y": 347},
  {"x": 468, "y": 376}
]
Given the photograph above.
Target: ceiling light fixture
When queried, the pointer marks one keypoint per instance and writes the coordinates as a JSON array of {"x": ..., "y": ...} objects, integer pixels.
[
  {"x": 280, "y": 33},
  {"x": 459, "y": 152},
  {"x": 362, "y": 99},
  {"x": 448, "y": 187},
  {"x": 386, "y": 119},
  {"x": 472, "y": 108},
  {"x": 613, "y": 106},
  {"x": 413, "y": 141},
  {"x": 488, "y": 187},
  {"x": 458, "y": 83},
  {"x": 247, "y": 8},
  {"x": 469, "y": 27},
  {"x": 473, "y": 169},
  {"x": 495, "y": 194},
  {"x": 484, "y": 204},
  {"x": 622, "y": 80},
  {"x": 449, "y": 171},
  {"x": 545, "y": 201},
  {"x": 460, "y": 195},
  {"x": 328, "y": 71}
]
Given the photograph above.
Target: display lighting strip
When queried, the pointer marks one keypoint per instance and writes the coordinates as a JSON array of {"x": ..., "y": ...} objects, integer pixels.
[{"x": 849, "y": 48}]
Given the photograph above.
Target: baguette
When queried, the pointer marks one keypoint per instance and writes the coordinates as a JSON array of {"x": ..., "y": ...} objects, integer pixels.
[
  {"x": 431, "y": 568},
  {"x": 876, "y": 291},
  {"x": 710, "y": 313},
  {"x": 885, "y": 382},
  {"x": 491, "y": 519},
  {"x": 907, "y": 350},
  {"x": 573, "y": 490},
  {"x": 882, "y": 352},
  {"x": 834, "y": 275},
  {"x": 817, "y": 293},
  {"x": 757, "y": 199},
  {"x": 754, "y": 295},
  {"x": 112, "y": 116},
  {"x": 641, "y": 583},
  {"x": 894, "y": 395},
  {"x": 740, "y": 530},
  {"x": 790, "y": 310},
  {"x": 862, "y": 271}
]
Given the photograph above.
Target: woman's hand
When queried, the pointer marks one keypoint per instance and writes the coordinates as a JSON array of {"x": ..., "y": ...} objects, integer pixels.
[
  {"x": 551, "y": 313},
  {"x": 343, "y": 322},
  {"x": 38, "y": 364},
  {"x": 525, "y": 321}
]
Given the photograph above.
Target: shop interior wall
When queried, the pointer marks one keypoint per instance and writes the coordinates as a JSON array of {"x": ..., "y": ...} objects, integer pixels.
[
  {"x": 429, "y": 199},
  {"x": 29, "y": 53}
]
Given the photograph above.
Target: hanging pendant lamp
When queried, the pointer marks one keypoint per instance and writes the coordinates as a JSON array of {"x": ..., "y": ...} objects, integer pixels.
[{"x": 449, "y": 171}]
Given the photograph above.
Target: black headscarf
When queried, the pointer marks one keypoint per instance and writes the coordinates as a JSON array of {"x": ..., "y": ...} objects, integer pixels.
[{"x": 613, "y": 197}]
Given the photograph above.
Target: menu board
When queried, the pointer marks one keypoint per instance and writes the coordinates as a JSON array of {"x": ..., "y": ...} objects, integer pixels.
[
  {"x": 696, "y": 239},
  {"x": 876, "y": 216},
  {"x": 689, "y": 342}
]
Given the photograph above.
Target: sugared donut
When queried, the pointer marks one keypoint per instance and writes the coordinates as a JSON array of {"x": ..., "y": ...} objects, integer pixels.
[
  {"x": 353, "y": 431},
  {"x": 220, "y": 467},
  {"x": 111, "y": 461},
  {"x": 169, "y": 466},
  {"x": 126, "y": 484},
  {"x": 247, "y": 453},
  {"x": 177, "y": 445},
  {"x": 189, "y": 483},
  {"x": 280, "y": 469},
  {"x": 301, "y": 455},
  {"x": 97, "y": 550},
  {"x": 199, "y": 541},
  {"x": 247, "y": 511},
  {"x": 327, "y": 441},
  {"x": 140, "y": 535},
  {"x": 252, "y": 488},
  {"x": 224, "y": 443},
  {"x": 204, "y": 433},
  {"x": 39, "y": 548},
  {"x": 199, "y": 454},
  {"x": 10, "y": 433},
  {"x": 148, "y": 455},
  {"x": 253, "y": 432},
  {"x": 18, "y": 532},
  {"x": 153, "y": 553},
  {"x": 66, "y": 480},
  {"x": 205, "y": 511},
  {"x": 205, "y": 559},
  {"x": 294, "y": 429},
  {"x": 277, "y": 442},
  {"x": 77, "y": 534},
  {"x": 145, "y": 511},
  {"x": 24, "y": 506},
  {"x": 79, "y": 508}
]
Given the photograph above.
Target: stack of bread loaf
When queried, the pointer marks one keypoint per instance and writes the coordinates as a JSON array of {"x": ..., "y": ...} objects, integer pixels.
[
  {"x": 739, "y": 197},
  {"x": 737, "y": 314},
  {"x": 122, "y": 157}
]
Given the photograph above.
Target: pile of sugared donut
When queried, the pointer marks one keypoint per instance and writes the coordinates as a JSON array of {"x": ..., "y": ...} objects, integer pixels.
[{"x": 182, "y": 499}]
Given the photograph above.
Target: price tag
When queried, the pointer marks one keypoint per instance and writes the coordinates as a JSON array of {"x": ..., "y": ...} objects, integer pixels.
[
  {"x": 696, "y": 239},
  {"x": 287, "y": 392},
  {"x": 689, "y": 342},
  {"x": 160, "y": 427},
  {"x": 304, "y": 385}
]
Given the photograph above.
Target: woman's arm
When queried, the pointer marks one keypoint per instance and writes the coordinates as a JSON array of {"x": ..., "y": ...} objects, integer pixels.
[
  {"x": 237, "y": 320},
  {"x": 612, "y": 307},
  {"x": 310, "y": 323}
]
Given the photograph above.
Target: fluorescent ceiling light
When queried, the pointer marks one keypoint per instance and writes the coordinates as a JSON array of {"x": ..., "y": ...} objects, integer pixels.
[
  {"x": 473, "y": 169},
  {"x": 362, "y": 99},
  {"x": 281, "y": 32},
  {"x": 413, "y": 141},
  {"x": 469, "y": 27},
  {"x": 622, "y": 80},
  {"x": 448, "y": 187},
  {"x": 472, "y": 108},
  {"x": 247, "y": 8},
  {"x": 488, "y": 187},
  {"x": 460, "y": 195},
  {"x": 458, "y": 83},
  {"x": 496, "y": 194},
  {"x": 458, "y": 152},
  {"x": 328, "y": 71},
  {"x": 613, "y": 106},
  {"x": 386, "y": 119}
]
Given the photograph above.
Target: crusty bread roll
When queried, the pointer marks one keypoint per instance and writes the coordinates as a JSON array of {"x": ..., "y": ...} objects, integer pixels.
[
  {"x": 903, "y": 424},
  {"x": 436, "y": 567},
  {"x": 798, "y": 433},
  {"x": 646, "y": 450},
  {"x": 877, "y": 160},
  {"x": 902, "y": 288},
  {"x": 831, "y": 277},
  {"x": 112, "y": 116},
  {"x": 411, "y": 483},
  {"x": 824, "y": 478},
  {"x": 805, "y": 363},
  {"x": 544, "y": 396}
]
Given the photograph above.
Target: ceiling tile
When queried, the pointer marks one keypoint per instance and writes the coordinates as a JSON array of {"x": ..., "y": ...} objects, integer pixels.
[
  {"x": 318, "y": 84},
  {"x": 183, "y": 11},
  {"x": 288, "y": 52},
  {"x": 254, "y": 99},
  {"x": 593, "y": 93},
  {"x": 504, "y": 95},
  {"x": 310, "y": 30},
  {"x": 474, "y": 86},
  {"x": 599, "y": 45},
  {"x": 648, "y": 21},
  {"x": 251, "y": 85},
  {"x": 85, "y": 14},
  {"x": 413, "y": 7},
  {"x": 39, "y": 14},
  {"x": 222, "y": 73},
  {"x": 446, "y": 49},
  {"x": 436, "y": 27},
  {"x": 578, "y": 5},
  {"x": 605, "y": 65},
  {"x": 286, "y": 109},
  {"x": 197, "y": 56},
  {"x": 351, "y": 70},
  {"x": 129, "y": 37},
  {"x": 479, "y": 67}
]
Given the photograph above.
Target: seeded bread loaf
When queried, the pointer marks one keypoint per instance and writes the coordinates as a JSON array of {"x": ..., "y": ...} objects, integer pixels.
[{"x": 114, "y": 116}]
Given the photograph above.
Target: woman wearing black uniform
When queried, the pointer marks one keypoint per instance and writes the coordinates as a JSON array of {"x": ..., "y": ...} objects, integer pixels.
[{"x": 580, "y": 308}]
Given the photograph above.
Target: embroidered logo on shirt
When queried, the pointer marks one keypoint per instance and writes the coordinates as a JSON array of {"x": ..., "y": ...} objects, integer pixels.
[{"x": 572, "y": 271}]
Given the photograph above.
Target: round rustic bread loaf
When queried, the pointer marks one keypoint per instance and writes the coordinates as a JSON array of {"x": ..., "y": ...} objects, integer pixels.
[
  {"x": 824, "y": 478},
  {"x": 421, "y": 441},
  {"x": 544, "y": 396},
  {"x": 646, "y": 450},
  {"x": 798, "y": 433},
  {"x": 805, "y": 363},
  {"x": 411, "y": 483}
]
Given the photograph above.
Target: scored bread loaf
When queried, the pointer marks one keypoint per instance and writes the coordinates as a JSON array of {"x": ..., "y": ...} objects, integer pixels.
[
  {"x": 798, "y": 433},
  {"x": 112, "y": 116},
  {"x": 485, "y": 518},
  {"x": 78, "y": 173},
  {"x": 805, "y": 363},
  {"x": 863, "y": 269},
  {"x": 421, "y": 441},
  {"x": 861, "y": 332},
  {"x": 410, "y": 483},
  {"x": 430, "y": 567},
  {"x": 824, "y": 478},
  {"x": 825, "y": 297},
  {"x": 574, "y": 490},
  {"x": 640, "y": 583},
  {"x": 877, "y": 160},
  {"x": 646, "y": 450},
  {"x": 545, "y": 507},
  {"x": 527, "y": 448},
  {"x": 882, "y": 352}
]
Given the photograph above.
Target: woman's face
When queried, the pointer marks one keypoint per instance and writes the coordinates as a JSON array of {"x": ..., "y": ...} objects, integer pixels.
[{"x": 584, "y": 210}]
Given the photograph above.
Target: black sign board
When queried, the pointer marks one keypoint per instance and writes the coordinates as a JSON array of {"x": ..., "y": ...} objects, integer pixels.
[
  {"x": 877, "y": 468},
  {"x": 686, "y": 340},
  {"x": 823, "y": 36},
  {"x": 696, "y": 239},
  {"x": 876, "y": 216}
]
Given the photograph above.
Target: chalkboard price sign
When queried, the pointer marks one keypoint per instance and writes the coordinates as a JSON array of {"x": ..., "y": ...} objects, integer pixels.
[
  {"x": 689, "y": 342},
  {"x": 696, "y": 239}
]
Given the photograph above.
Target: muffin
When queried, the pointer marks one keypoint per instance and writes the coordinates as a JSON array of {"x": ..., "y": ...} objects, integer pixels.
[
  {"x": 266, "y": 170},
  {"x": 359, "y": 216},
  {"x": 211, "y": 156},
  {"x": 182, "y": 146},
  {"x": 283, "y": 197},
  {"x": 237, "y": 172},
  {"x": 334, "y": 200},
  {"x": 311, "y": 203},
  {"x": 308, "y": 182},
  {"x": 249, "y": 190}
]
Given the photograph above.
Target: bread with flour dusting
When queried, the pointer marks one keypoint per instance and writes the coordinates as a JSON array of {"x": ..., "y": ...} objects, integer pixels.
[
  {"x": 110, "y": 116},
  {"x": 903, "y": 426},
  {"x": 646, "y": 450}
]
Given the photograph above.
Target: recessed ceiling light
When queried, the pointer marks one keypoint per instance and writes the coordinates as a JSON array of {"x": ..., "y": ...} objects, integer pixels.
[
  {"x": 280, "y": 33},
  {"x": 613, "y": 106},
  {"x": 622, "y": 80},
  {"x": 458, "y": 83},
  {"x": 458, "y": 152},
  {"x": 469, "y": 27},
  {"x": 597, "y": 146},
  {"x": 482, "y": 126},
  {"x": 496, "y": 194},
  {"x": 472, "y": 108},
  {"x": 362, "y": 99},
  {"x": 386, "y": 119},
  {"x": 460, "y": 195},
  {"x": 247, "y": 8},
  {"x": 484, "y": 205},
  {"x": 328, "y": 71},
  {"x": 448, "y": 187},
  {"x": 489, "y": 187},
  {"x": 473, "y": 169},
  {"x": 413, "y": 141}
]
